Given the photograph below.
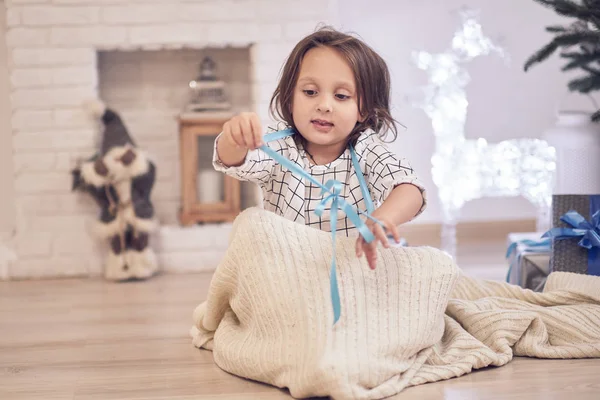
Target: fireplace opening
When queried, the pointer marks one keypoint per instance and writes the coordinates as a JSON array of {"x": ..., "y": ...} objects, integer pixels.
[{"x": 151, "y": 89}]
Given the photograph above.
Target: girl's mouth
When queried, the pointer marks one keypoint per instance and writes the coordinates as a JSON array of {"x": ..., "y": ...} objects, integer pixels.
[{"x": 322, "y": 125}]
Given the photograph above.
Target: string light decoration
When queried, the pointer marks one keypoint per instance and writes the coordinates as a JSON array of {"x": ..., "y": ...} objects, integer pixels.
[{"x": 465, "y": 170}]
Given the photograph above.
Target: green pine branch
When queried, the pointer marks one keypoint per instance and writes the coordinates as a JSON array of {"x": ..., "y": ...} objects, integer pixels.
[
  {"x": 571, "y": 54},
  {"x": 541, "y": 55},
  {"x": 565, "y": 40},
  {"x": 586, "y": 84},
  {"x": 584, "y": 34},
  {"x": 555, "y": 29},
  {"x": 581, "y": 60},
  {"x": 578, "y": 37},
  {"x": 546, "y": 3},
  {"x": 591, "y": 70}
]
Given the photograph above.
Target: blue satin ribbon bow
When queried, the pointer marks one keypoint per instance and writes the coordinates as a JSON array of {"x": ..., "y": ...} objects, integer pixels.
[
  {"x": 589, "y": 231},
  {"x": 331, "y": 193}
]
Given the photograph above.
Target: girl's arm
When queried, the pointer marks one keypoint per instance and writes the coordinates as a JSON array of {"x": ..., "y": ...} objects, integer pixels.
[
  {"x": 402, "y": 205},
  {"x": 395, "y": 185},
  {"x": 386, "y": 174}
]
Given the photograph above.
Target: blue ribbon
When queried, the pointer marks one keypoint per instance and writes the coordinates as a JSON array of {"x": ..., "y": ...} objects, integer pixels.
[
  {"x": 331, "y": 193},
  {"x": 588, "y": 231}
]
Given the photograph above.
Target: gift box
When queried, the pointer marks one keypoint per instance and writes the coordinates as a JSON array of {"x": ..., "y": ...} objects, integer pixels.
[
  {"x": 528, "y": 255},
  {"x": 575, "y": 234}
]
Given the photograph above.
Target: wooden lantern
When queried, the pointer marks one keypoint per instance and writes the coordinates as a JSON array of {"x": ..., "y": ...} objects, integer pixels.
[{"x": 192, "y": 130}]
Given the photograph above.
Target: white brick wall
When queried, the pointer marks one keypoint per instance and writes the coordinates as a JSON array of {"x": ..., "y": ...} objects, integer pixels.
[
  {"x": 53, "y": 56},
  {"x": 101, "y": 36},
  {"x": 27, "y": 37},
  {"x": 53, "y": 15},
  {"x": 50, "y": 55}
]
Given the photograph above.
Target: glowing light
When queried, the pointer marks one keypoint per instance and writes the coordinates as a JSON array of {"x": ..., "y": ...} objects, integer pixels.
[{"x": 465, "y": 170}]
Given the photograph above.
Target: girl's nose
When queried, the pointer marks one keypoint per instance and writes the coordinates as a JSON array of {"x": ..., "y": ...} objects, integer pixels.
[{"x": 324, "y": 105}]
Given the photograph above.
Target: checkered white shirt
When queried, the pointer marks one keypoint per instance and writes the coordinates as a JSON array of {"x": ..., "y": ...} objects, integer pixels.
[{"x": 295, "y": 198}]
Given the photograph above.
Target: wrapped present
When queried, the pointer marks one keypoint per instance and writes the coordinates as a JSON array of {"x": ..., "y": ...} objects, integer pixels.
[
  {"x": 575, "y": 234},
  {"x": 529, "y": 260}
]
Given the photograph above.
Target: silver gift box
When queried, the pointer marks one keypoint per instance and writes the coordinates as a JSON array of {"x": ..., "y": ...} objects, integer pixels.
[{"x": 529, "y": 266}]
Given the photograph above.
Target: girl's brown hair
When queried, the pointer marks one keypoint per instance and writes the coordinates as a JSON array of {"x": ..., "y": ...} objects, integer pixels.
[{"x": 370, "y": 72}]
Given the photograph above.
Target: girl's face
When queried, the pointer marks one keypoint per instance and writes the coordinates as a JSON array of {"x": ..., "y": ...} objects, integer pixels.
[{"x": 325, "y": 103}]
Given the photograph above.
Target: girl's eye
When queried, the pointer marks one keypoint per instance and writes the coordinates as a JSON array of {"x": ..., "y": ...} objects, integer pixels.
[
  {"x": 310, "y": 92},
  {"x": 342, "y": 96}
]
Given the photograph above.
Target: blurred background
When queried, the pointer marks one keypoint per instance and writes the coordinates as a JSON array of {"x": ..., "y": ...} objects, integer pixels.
[{"x": 175, "y": 70}]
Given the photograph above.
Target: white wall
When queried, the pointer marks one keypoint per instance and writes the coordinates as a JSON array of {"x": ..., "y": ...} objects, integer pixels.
[
  {"x": 7, "y": 196},
  {"x": 504, "y": 101}
]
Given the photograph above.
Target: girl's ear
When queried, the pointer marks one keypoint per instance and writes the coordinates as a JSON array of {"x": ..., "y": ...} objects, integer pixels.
[
  {"x": 363, "y": 114},
  {"x": 362, "y": 117}
]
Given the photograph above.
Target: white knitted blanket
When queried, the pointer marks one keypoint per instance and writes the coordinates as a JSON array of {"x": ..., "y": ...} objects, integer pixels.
[{"x": 414, "y": 319}]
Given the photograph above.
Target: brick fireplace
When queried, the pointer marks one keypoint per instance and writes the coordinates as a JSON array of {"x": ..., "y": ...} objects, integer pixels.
[{"x": 62, "y": 52}]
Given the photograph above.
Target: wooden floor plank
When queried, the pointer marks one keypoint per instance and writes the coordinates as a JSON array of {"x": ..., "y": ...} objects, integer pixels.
[{"x": 90, "y": 339}]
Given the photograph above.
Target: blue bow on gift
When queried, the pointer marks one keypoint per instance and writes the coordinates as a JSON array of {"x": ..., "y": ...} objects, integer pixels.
[
  {"x": 332, "y": 189},
  {"x": 589, "y": 231}
]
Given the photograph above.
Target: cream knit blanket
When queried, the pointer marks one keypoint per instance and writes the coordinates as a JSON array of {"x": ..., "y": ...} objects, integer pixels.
[{"x": 414, "y": 319}]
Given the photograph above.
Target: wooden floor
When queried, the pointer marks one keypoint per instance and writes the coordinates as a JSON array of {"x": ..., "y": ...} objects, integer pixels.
[{"x": 90, "y": 339}]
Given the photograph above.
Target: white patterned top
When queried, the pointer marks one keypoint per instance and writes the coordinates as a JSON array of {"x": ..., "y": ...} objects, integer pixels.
[{"x": 295, "y": 198}]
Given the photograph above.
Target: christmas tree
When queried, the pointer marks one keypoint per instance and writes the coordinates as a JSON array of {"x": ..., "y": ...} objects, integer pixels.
[{"x": 579, "y": 43}]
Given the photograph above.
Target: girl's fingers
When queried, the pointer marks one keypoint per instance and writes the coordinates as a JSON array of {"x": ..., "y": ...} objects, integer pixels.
[
  {"x": 247, "y": 134},
  {"x": 256, "y": 130},
  {"x": 235, "y": 134},
  {"x": 228, "y": 134},
  {"x": 371, "y": 253},
  {"x": 359, "y": 247},
  {"x": 394, "y": 230},
  {"x": 381, "y": 236},
  {"x": 370, "y": 249}
]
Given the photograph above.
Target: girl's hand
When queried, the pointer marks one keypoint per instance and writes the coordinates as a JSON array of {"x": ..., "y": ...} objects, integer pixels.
[
  {"x": 244, "y": 131},
  {"x": 370, "y": 249}
]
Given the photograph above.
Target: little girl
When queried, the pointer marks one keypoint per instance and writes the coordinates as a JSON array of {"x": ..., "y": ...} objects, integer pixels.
[{"x": 334, "y": 96}]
